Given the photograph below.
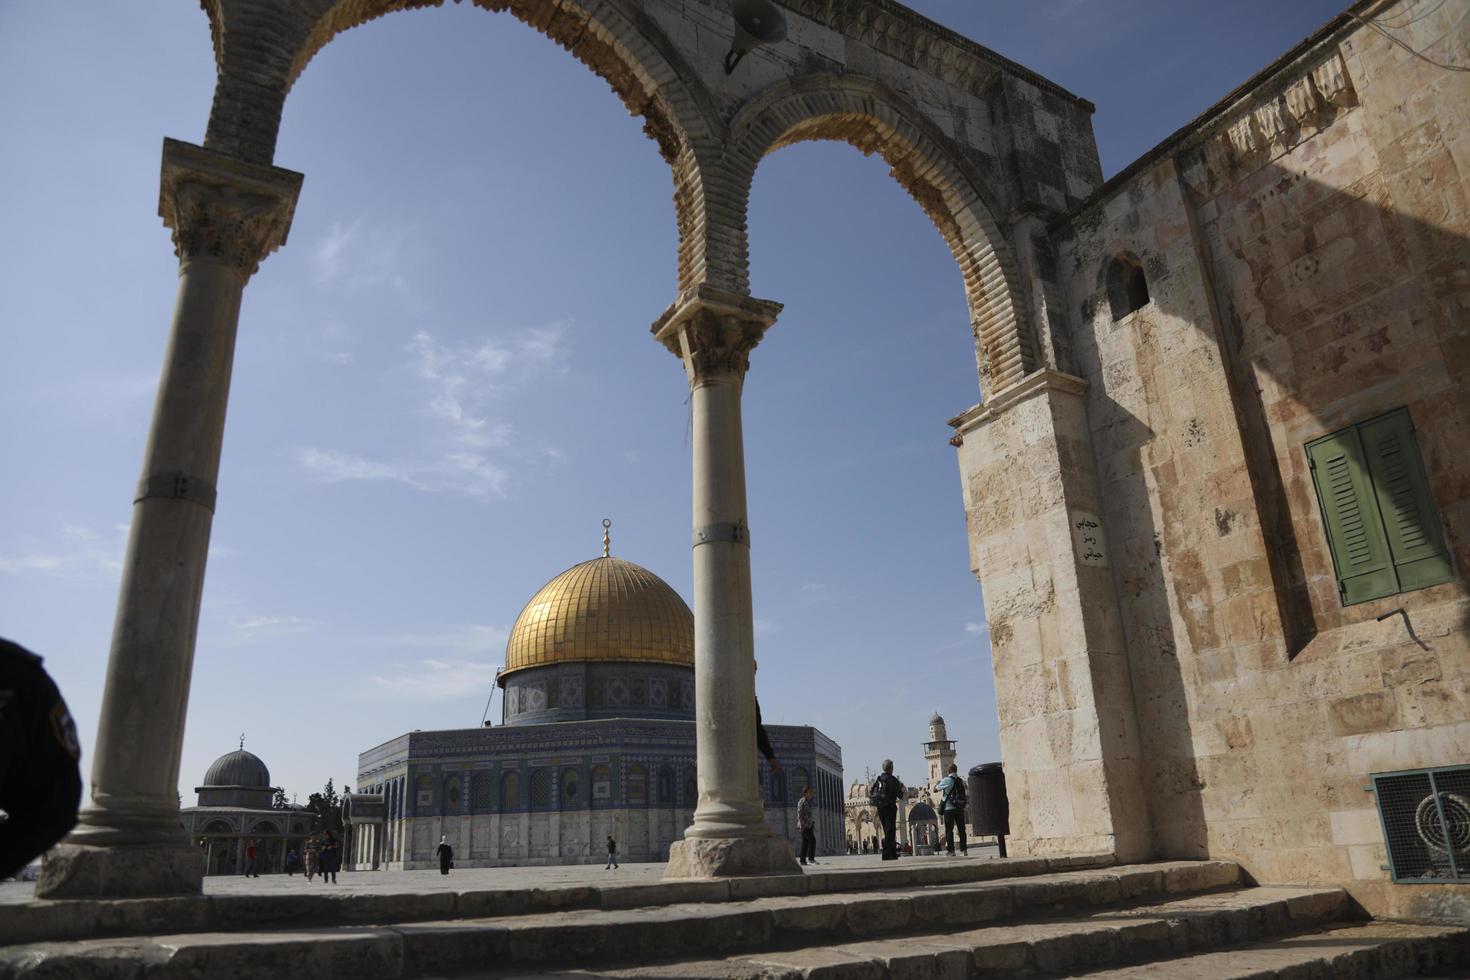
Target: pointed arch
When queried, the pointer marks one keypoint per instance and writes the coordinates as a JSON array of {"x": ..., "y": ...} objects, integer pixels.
[
  {"x": 262, "y": 46},
  {"x": 874, "y": 119}
]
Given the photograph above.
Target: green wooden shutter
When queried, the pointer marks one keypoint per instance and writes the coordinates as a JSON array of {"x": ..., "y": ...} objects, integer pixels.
[
  {"x": 1415, "y": 540},
  {"x": 1350, "y": 512}
]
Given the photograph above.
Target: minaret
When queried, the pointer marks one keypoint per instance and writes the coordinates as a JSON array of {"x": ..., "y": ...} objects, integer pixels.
[{"x": 939, "y": 750}]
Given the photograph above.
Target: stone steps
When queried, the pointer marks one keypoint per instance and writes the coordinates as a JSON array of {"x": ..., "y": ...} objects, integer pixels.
[
  {"x": 1143, "y": 917},
  {"x": 1153, "y": 932},
  {"x": 52, "y": 921}
]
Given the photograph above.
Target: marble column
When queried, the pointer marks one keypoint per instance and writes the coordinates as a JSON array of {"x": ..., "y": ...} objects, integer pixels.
[
  {"x": 226, "y": 216},
  {"x": 713, "y": 332}
]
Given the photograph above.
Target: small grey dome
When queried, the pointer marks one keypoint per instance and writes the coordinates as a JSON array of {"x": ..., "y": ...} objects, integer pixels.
[
  {"x": 922, "y": 812},
  {"x": 936, "y": 720},
  {"x": 239, "y": 768}
]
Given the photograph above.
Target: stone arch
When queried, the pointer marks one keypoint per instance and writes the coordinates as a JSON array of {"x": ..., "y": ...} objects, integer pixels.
[
  {"x": 262, "y": 46},
  {"x": 874, "y": 119}
]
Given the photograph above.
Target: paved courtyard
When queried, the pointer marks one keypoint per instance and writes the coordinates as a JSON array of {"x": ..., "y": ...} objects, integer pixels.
[{"x": 483, "y": 879}]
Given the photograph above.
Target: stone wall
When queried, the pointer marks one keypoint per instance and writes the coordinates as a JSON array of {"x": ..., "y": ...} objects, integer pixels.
[{"x": 1305, "y": 252}]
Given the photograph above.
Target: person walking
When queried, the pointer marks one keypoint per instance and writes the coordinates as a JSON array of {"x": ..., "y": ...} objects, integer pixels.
[
  {"x": 313, "y": 857},
  {"x": 293, "y": 861},
  {"x": 884, "y": 795},
  {"x": 331, "y": 858},
  {"x": 807, "y": 826},
  {"x": 953, "y": 800},
  {"x": 446, "y": 855},
  {"x": 250, "y": 854},
  {"x": 612, "y": 853}
]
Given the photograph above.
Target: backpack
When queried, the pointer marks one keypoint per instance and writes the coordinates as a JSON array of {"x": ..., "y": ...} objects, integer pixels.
[
  {"x": 956, "y": 797},
  {"x": 879, "y": 793}
]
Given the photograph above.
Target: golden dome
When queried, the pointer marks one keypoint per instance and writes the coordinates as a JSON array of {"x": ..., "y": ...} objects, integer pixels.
[{"x": 606, "y": 609}]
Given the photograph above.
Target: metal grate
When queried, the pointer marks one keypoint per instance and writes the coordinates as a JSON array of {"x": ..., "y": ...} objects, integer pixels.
[{"x": 1426, "y": 823}]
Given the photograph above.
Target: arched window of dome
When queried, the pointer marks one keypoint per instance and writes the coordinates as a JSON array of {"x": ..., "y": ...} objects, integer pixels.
[
  {"x": 452, "y": 796},
  {"x": 570, "y": 789},
  {"x": 637, "y": 789},
  {"x": 601, "y": 785},
  {"x": 666, "y": 786},
  {"x": 425, "y": 794},
  {"x": 510, "y": 792},
  {"x": 691, "y": 787},
  {"x": 540, "y": 790},
  {"x": 800, "y": 780},
  {"x": 1126, "y": 285},
  {"x": 778, "y": 786},
  {"x": 480, "y": 793}
]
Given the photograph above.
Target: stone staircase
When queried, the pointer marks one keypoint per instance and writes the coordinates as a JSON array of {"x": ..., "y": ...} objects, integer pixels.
[{"x": 964, "y": 918}]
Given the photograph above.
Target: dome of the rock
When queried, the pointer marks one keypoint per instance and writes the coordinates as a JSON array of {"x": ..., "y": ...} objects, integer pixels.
[{"x": 606, "y": 610}]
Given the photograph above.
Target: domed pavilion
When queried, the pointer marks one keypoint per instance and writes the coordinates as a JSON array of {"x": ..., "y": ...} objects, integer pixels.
[
  {"x": 235, "y": 808},
  {"x": 598, "y": 740}
]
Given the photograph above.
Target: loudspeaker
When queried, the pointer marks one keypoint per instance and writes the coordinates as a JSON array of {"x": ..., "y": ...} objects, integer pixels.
[{"x": 757, "y": 22}]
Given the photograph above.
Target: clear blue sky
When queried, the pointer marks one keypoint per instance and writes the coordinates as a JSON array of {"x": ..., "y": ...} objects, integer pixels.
[{"x": 445, "y": 380}]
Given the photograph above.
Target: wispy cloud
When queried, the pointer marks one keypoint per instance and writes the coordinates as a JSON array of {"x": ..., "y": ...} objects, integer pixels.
[
  {"x": 255, "y": 624},
  {"x": 352, "y": 257},
  {"x": 77, "y": 550},
  {"x": 460, "y": 380},
  {"x": 471, "y": 638},
  {"x": 332, "y": 466},
  {"x": 435, "y": 680},
  {"x": 977, "y": 628},
  {"x": 467, "y": 450}
]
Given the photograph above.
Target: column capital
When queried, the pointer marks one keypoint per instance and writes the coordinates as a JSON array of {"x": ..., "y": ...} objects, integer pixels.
[
  {"x": 713, "y": 331},
  {"x": 224, "y": 208}
]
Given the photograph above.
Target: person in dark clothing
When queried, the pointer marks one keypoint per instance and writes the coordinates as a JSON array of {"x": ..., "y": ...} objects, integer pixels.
[
  {"x": 446, "y": 855},
  {"x": 40, "y": 782},
  {"x": 612, "y": 853},
  {"x": 293, "y": 861},
  {"x": 807, "y": 825},
  {"x": 330, "y": 858},
  {"x": 953, "y": 802},
  {"x": 250, "y": 855},
  {"x": 884, "y": 795}
]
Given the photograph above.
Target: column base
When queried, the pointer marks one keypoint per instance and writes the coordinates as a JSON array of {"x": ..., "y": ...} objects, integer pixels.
[
  {"x": 121, "y": 871},
  {"x": 728, "y": 857}
]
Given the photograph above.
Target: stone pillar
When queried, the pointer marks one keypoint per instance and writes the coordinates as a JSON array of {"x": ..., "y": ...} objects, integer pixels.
[
  {"x": 226, "y": 216},
  {"x": 1068, "y": 729},
  {"x": 713, "y": 332}
]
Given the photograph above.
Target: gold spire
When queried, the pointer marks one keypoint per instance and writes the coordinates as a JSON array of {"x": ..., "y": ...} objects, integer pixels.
[{"x": 606, "y": 540}]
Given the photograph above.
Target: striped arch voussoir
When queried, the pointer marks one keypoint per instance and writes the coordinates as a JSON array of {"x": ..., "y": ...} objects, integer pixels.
[{"x": 875, "y": 120}]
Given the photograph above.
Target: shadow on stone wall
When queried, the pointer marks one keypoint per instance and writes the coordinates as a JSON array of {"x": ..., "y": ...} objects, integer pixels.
[{"x": 1336, "y": 305}]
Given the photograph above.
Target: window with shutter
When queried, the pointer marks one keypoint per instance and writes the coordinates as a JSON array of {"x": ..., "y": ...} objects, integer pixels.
[{"x": 1382, "y": 527}]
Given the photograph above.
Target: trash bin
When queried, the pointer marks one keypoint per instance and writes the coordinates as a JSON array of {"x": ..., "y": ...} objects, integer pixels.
[{"x": 990, "y": 810}]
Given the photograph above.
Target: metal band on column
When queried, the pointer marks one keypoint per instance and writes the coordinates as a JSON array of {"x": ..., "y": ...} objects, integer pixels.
[
  {"x": 177, "y": 486},
  {"x": 736, "y": 533}
]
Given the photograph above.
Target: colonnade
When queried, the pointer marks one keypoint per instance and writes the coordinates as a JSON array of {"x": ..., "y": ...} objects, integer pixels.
[{"x": 226, "y": 216}]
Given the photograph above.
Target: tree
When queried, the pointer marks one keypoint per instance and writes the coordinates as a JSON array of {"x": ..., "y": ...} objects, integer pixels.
[
  {"x": 279, "y": 802},
  {"x": 327, "y": 808}
]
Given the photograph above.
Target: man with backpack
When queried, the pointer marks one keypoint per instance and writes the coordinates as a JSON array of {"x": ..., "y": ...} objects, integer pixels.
[
  {"x": 953, "y": 801},
  {"x": 884, "y": 795}
]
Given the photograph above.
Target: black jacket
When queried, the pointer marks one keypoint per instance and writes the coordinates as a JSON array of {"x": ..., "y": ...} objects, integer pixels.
[{"x": 40, "y": 783}]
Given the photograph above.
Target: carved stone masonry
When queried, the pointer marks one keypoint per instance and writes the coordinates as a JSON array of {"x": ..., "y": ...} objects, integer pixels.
[
  {"x": 224, "y": 208},
  {"x": 713, "y": 331}
]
